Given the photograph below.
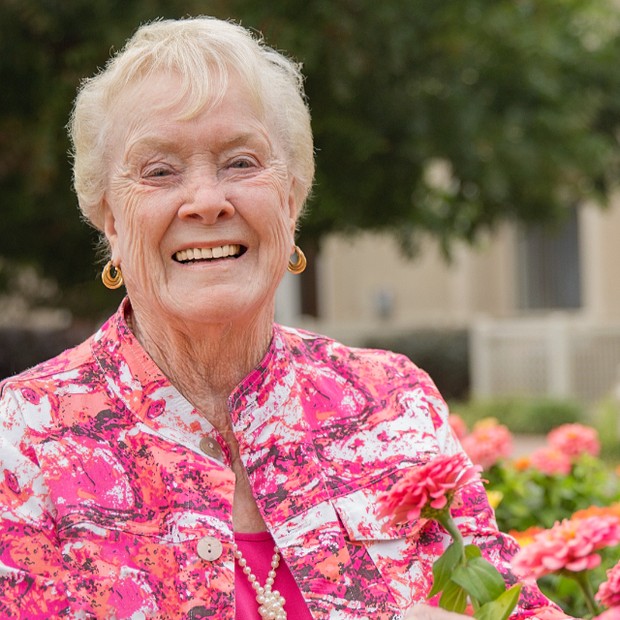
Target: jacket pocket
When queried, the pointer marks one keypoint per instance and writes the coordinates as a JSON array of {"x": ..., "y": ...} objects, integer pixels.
[
  {"x": 126, "y": 567},
  {"x": 402, "y": 554},
  {"x": 358, "y": 513},
  {"x": 358, "y": 510}
]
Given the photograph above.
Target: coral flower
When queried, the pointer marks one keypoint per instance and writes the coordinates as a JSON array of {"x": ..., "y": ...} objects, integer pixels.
[
  {"x": 458, "y": 426},
  {"x": 568, "y": 546},
  {"x": 488, "y": 443},
  {"x": 427, "y": 490},
  {"x": 609, "y": 591},
  {"x": 551, "y": 461},
  {"x": 554, "y": 614},
  {"x": 575, "y": 440},
  {"x": 610, "y": 614}
]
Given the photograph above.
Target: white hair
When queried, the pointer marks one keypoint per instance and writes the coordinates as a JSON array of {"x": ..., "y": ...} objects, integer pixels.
[{"x": 204, "y": 52}]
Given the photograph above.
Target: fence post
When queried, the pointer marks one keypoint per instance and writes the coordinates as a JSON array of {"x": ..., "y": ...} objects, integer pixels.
[
  {"x": 480, "y": 357},
  {"x": 559, "y": 362}
]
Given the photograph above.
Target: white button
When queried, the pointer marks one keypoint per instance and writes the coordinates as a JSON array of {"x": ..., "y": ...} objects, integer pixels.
[
  {"x": 209, "y": 548},
  {"x": 210, "y": 447}
]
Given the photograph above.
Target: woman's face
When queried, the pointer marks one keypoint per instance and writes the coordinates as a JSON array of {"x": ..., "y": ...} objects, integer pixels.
[{"x": 199, "y": 213}]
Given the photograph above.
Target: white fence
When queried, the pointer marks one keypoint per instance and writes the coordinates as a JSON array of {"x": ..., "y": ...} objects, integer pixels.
[{"x": 555, "y": 356}]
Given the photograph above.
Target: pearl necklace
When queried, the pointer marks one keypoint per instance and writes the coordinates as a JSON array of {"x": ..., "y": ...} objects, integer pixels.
[{"x": 271, "y": 602}]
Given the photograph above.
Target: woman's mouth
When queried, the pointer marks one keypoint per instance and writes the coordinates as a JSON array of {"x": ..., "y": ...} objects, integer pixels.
[{"x": 190, "y": 255}]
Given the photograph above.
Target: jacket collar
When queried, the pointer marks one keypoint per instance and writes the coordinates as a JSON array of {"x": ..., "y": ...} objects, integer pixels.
[
  {"x": 135, "y": 380},
  {"x": 138, "y": 384}
]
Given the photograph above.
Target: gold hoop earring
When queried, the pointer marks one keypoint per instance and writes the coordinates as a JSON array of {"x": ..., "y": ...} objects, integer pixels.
[
  {"x": 111, "y": 276},
  {"x": 300, "y": 264}
]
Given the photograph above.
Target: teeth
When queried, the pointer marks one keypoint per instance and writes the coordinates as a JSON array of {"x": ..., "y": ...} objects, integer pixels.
[
  {"x": 203, "y": 253},
  {"x": 207, "y": 253}
]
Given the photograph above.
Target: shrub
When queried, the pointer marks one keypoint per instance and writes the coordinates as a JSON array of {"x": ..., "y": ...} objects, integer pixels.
[
  {"x": 607, "y": 421},
  {"x": 444, "y": 354},
  {"x": 527, "y": 416}
]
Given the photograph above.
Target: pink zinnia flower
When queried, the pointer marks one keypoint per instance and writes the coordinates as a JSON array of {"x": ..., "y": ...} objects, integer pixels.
[
  {"x": 427, "y": 490},
  {"x": 610, "y": 614},
  {"x": 488, "y": 443},
  {"x": 609, "y": 591},
  {"x": 551, "y": 614},
  {"x": 551, "y": 461},
  {"x": 570, "y": 545},
  {"x": 458, "y": 426},
  {"x": 575, "y": 440}
]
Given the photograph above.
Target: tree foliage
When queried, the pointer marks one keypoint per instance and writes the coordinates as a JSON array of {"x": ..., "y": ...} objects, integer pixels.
[
  {"x": 450, "y": 116},
  {"x": 442, "y": 117}
]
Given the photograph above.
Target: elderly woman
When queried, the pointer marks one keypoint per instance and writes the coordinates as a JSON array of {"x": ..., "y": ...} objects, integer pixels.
[{"x": 192, "y": 459}]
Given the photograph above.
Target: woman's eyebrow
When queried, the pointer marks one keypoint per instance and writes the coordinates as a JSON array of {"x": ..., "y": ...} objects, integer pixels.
[{"x": 167, "y": 145}]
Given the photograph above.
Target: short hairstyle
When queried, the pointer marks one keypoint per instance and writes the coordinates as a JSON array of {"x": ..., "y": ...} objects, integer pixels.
[{"x": 203, "y": 51}]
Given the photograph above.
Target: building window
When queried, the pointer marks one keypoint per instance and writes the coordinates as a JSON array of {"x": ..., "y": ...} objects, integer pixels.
[{"x": 549, "y": 266}]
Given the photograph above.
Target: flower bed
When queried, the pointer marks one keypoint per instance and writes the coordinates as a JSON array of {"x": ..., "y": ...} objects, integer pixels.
[{"x": 562, "y": 503}]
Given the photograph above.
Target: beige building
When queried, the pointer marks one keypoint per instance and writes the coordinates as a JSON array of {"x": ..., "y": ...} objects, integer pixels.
[{"x": 542, "y": 307}]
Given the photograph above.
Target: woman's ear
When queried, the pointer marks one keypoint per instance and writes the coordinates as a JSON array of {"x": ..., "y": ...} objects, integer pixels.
[
  {"x": 109, "y": 229},
  {"x": 293, "y": 207}
]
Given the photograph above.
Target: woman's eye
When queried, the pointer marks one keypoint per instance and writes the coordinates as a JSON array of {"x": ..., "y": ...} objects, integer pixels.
[
  {"x": 242, "y": 163},
  {"x": 153, "y": 173}
]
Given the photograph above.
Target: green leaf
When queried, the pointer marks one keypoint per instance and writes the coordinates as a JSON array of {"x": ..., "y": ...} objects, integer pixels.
[
  {"x": 453, "y": 598},
  {"x": 471, "y": 551},
  {"x": 443, "y": 567},
  {"x": 500, "y": 608},
  {"x": 481, "y": 580}
]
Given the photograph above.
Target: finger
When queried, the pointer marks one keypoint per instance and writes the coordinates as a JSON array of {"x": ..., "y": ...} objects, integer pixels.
[{"x": 424, "y": 612}]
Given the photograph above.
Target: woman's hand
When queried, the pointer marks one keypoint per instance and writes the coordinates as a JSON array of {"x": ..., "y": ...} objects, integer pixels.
[{"x": 424, "y": 612}]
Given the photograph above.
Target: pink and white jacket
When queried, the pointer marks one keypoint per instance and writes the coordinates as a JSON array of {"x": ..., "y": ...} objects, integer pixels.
[{"x": 116, "y": 494}]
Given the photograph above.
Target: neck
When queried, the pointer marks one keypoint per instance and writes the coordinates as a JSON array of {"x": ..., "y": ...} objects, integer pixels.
[{"x": 204, "y": 362}]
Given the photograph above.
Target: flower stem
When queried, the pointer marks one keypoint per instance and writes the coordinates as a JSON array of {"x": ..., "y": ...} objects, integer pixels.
[
  {"x": 447, "y": 522},
  {"x": 586, "y": 588}
]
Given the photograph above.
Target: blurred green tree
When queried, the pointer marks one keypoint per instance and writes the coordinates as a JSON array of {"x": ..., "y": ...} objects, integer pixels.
[{"x": 435, "y": 117}]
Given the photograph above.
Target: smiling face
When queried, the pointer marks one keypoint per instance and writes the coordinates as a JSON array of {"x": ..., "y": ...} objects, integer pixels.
[{"x": 200, "y": 212}]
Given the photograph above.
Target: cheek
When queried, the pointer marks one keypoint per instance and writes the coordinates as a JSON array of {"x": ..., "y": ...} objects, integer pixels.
[
  {"x": 273, "y": 191},
  {"x": 137, "y": 228}
]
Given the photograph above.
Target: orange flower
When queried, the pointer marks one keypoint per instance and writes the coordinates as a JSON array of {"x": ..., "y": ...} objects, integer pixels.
[
  {"x": 522, "y": 463},
  {"x": 525, "y": 537},
  {"x": 613, "y": 510}
]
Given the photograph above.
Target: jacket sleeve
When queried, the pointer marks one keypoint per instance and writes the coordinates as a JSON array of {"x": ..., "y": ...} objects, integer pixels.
[
  {"x": 31, "y": 573},
  {"x": 476, "y": 521}
]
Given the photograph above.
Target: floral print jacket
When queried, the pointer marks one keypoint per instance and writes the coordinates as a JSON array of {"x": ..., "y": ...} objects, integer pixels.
[{"x": 116, "y": 495}]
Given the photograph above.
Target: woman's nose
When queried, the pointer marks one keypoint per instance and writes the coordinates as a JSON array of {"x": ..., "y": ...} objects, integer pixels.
[{"x": 206, "y": 200}]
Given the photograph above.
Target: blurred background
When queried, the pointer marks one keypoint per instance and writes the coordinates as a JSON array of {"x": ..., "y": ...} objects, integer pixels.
[{"x": 466, "y": 209}]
